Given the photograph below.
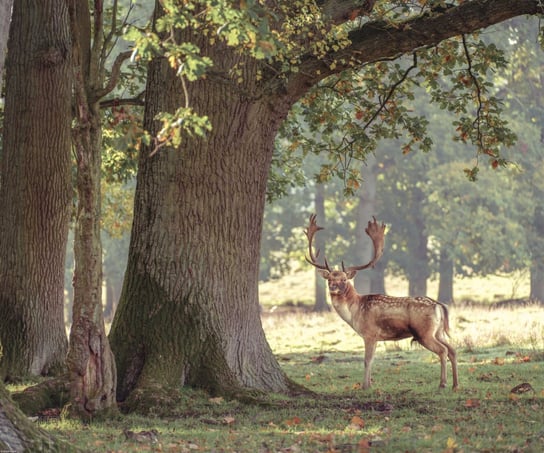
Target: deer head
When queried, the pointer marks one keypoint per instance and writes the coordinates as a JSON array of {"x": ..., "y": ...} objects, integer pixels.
[{"x": 338, "y": 279}]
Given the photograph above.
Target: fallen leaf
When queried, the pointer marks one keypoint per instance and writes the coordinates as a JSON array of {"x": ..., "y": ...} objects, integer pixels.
[
  {"x": 356, "y": 423},
  {"x": 318, "y": 359},
  {"x": 218, "y": 400},
  {"x": 472, "y": 403},
  {"x": 228, "y": 420},
  {"x": 523, "y": 388},
  {"x": 498, "y": 361},
  {"x": 293, "y": 421},
  {"x": 356, "y": 420},
  {"x": 363, "y": 446}
]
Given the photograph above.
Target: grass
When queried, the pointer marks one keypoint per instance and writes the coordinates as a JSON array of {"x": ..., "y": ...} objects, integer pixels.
[{"x": 403, "y": 412}]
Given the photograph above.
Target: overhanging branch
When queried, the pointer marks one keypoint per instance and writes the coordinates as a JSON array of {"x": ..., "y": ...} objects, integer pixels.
[{"x": 376, "y": 41}]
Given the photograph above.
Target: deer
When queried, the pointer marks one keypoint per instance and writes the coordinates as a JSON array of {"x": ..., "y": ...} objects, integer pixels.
[{"x": 378, "y": 317}]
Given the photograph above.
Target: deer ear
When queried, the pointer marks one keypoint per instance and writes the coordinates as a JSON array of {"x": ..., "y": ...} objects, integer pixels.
[
  {"x": 324, "y": 273},
  {"x": 350, "y": 274}
]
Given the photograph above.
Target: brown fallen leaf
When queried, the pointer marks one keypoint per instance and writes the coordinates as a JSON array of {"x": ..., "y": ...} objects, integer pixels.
[
  {"x": 472, "y": 403},
  {"x": 318, "y": 358},
  {"x": 522, "y": 388},
  {"x": 151, "y": 436}
]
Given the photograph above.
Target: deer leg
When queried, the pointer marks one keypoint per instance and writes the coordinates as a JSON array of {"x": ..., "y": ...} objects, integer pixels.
[
  {"x": 440, "y": 349},
  {"x": 452, "y": 355},
  {"x": 370, "y": 348}
]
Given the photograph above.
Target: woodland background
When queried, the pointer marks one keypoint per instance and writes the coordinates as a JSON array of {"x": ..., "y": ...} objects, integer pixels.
[{"x": 180, "y": 128}]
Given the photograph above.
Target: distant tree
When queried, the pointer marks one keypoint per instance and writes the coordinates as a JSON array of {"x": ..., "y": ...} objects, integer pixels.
[
  {"x": 5, "y": 18},
  {"x": 521, "y": 86},
  {"x": 478, "y": 228}
]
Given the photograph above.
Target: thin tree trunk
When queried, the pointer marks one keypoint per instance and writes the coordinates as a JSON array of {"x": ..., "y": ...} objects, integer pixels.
[
  {"x": 537, "y": 284},
  {"x": 366, "y": 209},
  {"x": 35, "y": 190},
  {"x": 91, "y": 363},
  {"x": 445, "y": 282},
  {"x": 5, "y": 19},
  {"x": 320, "y": 284},
  {"x": 377, "y": 279}
]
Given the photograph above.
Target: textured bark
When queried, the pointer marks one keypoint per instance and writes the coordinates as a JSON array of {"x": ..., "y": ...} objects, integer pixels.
[
  {"x": 91, "y": 364},
  {"x": 19, "y": 434},
  {"x": 35, "y": 190},
  {"x": 379, "y": 40},
  {"x": 189, "y": 312}
]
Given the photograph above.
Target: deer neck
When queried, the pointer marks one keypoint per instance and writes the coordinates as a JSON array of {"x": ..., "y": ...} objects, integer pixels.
[{"x": 345, "y": 302}]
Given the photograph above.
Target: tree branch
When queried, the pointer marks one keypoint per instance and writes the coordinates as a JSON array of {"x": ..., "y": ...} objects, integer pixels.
[
  {"x": 376, "y": 41},
  {"x": 340, "y": 11},
  {"x": 137, "y": 100},
  {"x": 114, "y": 77}
]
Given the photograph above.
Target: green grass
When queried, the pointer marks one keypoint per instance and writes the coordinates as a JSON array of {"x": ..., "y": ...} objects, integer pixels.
[{"x": 403, "y": 412}]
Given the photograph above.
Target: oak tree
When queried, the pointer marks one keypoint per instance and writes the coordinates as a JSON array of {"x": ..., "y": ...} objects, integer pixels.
[
  {"x": 35, "y": 190},
  {"x": 189, "y": 311}
]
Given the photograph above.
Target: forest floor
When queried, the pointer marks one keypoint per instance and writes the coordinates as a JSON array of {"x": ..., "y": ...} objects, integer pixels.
[{"x": 498, "y": 407}]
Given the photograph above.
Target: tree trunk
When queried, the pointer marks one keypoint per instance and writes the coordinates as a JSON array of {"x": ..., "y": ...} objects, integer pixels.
[
  {"x": 35, "y": 190},
  {"x": 377, "y": 279},
  {"x": 537, "y": 284},
  {"x": 320, "y": 284},
  {"x": 90, "y": 360},
  {"x": 418, "y": 271},
  {"x": 19, "y": 434},
  {"x": 5, "y": 19},
  {"x": 537, "y": 246},
  {"x": 445, "y": 282},
  {"x": 189, "y": 311},
  {"x": 366, "y": 208}
]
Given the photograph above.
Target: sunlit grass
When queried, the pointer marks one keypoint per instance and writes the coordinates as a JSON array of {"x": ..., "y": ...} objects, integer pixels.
[{"x": 498, "y": 349}]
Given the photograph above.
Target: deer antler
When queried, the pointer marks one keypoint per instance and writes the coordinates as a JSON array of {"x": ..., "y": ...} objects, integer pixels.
[
  {"x": 310, "y": 232},
  {"x": 376, "y": 233}
]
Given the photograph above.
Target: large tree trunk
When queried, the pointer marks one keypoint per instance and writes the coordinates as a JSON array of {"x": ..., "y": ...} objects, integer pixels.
[
  {"x": 189, "y": 311},
  {"x": 35, "y": 190}
]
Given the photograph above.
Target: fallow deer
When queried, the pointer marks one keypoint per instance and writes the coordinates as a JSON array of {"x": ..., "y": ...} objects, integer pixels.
[{"x": 377, "y": 317}]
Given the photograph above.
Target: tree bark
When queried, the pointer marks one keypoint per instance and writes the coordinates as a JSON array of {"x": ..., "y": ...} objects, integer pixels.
[
  {"x": 35, "y": 190},
  {"x": 90, "y": 360},
  {"x": 18, "y": 434},
  {"x": 189, "y": 311}
]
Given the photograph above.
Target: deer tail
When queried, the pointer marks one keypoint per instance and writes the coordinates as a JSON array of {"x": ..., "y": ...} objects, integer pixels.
[{"x": 445, "y": 318}]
